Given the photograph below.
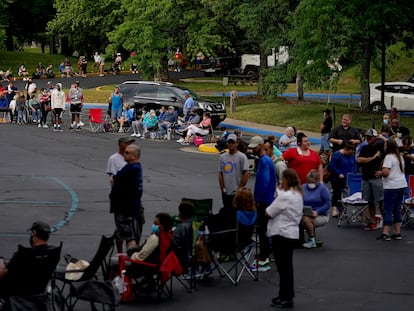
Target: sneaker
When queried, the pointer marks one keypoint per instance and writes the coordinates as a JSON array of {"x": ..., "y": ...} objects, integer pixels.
[
  {"x": 185, "y": 143},
  {"x": 55, "y": 129},
  {"x": 81, "y": 123},
  {"x": 311, "y": 243},
  {"x": 39, "y": 125},
  {"x": 45, "y": 126},
  {"x": 78, "y": 128},
  {"x": 120, "y": 131},
  {"x": 370, "y": 226},
  {"x": 180, "y": 140},
  {"x": 259, "y": 267},
  {"x": 396, "y": 236},
  {"x": 283, "y": 304},
  {"x": 70, "y": 127},
  {"x": 142, "y": 137},
  {"x": 138, "y": 135},
  {"x": 384, "y": 237},
  {"x": 60, "y": 129},
  {"x": 264, "y": 262},
  {"x": 133, "y": 135}
]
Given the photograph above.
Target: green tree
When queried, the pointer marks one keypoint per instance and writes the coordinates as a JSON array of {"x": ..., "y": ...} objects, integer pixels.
[
  {"x": 351, "y": 31},
  {"x": 152, "y": 28},
  {"x": 83, "y": 25}
]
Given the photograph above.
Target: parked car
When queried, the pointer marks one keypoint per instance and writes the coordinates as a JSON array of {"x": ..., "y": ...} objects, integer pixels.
[
  {"x": 223, "y": 65},
  {"x": 402, "y": 94},
  {"x": 153, "y": 95}
]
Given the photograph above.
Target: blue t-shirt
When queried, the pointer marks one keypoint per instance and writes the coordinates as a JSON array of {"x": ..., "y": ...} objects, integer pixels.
[
  {"x": 189, "y": 104},
  {"x": 116, "y": 101}
]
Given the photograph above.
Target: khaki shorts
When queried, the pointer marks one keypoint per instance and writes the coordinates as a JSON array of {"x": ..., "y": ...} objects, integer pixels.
[{"x": 373, "y": 190}]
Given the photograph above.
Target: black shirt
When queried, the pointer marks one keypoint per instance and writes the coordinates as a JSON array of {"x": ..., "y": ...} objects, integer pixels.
[{"x": 369, "y": 168}]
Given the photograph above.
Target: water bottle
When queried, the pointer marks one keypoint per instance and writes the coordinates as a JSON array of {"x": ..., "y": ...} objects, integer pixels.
[
  {"x": 206, "y": 234},
  {"x": 169, "y": 134}
]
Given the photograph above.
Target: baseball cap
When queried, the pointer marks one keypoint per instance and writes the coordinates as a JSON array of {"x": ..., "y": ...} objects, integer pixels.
[
  {"x": 171, "y": 107},
  {"x": 371, "y": 132},
  {"x": 40, "y": 226},
  {"x": 232, "y": 137},
  {"x": 125, "y": 140},
  {"x": 255, "y": 141},
  {"x": 186, "y": 92}
]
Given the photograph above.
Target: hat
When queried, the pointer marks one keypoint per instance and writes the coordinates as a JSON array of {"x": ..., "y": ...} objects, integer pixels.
[
  {"x": 49, "y": 82},
  {"x": 186, "y": 92},
  {"x": 327, "y": 111},
  {"x": 171, "y": 107},
  {"x": 40, "y": 226},
  {"x": 371, "y": 132},
  {"x": 125, "y": 140},
  {"x": 232, "y": 137},
  {"x": 77, "y": 82},
  {"x": 255, "y": 141}
]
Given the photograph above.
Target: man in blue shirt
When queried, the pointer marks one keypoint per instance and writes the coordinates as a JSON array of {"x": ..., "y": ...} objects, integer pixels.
[
  {"x": 264, "y": 191},
  {"x": 167, "y": 121},
  {"x": 189, "y": 103}
]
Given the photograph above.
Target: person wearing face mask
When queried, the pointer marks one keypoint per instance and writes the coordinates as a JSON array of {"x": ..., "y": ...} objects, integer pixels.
[
  {"x": 317, "y": 196},
  {"x": 148, "y": 251}
]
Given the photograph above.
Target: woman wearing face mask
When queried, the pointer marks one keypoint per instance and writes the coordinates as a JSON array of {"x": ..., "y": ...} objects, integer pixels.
[
  {"x": 317, "y": 196},
  {"x": 148, "y": 251}
]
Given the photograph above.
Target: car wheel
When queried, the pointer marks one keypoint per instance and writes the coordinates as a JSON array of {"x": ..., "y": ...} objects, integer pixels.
[
  {"x": 377, "y": 107},
  {"x": 252, "y": 75}
]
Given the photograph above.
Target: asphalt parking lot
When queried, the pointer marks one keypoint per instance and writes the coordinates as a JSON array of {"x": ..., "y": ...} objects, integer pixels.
[{"x": 60, "y": 178}]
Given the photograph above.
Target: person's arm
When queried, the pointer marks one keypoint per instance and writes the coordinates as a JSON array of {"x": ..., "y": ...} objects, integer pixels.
[
  {"x": 363, "y": 160},
  {"x": 147, "y": 249},
  {"x": 221, "y": 181},
  {"x": 245, "y": 178},
  {"x": 320, "y": 173}
]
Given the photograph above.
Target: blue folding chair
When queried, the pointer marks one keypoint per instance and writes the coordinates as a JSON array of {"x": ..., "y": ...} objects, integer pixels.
[{"x": 352, "y": 206}]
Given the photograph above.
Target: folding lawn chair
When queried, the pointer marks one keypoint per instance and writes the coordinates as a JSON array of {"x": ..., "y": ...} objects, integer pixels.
[
  {"x": 96, "y": 123},
  {"x": 407, "y": 208},
  {"x": 148, "y": 278},
  {"x": 239, "y": 245},
  {"x": 68, "y": 291},
  {"x": 353, "y": 207},
  {"x": 29, "y": 272}
]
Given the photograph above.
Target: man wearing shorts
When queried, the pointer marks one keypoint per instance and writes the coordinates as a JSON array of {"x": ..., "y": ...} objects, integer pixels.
[
  {"x": 75, "y": 96},
  {"x": 125, "y": 198},
  {"x": 370, "y": 159}
]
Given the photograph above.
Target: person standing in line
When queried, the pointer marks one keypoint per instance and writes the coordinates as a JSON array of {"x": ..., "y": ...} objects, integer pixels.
[
  {"x": 75, "y": 97},
  {"x": 125, "y": 198},
  {"x": 285, "y": 214},
  {"x": 325, "y": 127},
  {"x": 264, "y": 190},
  {"x": 188, "y": 104},
  {"x": 370, "y": 159},
  {"x": 57, "y": 100},
  {"x": 344, "y": 134},
  {"x": 233, "y": 172},
  {"x": 394, "y": 182},
  {"x": 116, "y": 101}
]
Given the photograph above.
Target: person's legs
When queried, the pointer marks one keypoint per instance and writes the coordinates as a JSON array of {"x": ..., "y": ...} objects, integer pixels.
[
  {"x": 337, "y": 186},
  {"x": 396, "y": 211},
  {"x": 283, "y": 254},
  {"x": 262, "y": 229}
]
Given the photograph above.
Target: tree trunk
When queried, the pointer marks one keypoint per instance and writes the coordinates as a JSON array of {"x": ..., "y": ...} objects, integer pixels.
[
  {"x": 299, "y": 87},
  {"x": 262, "y": 69},
  {"x": 9, "y": 39},
  {"x": 365, "y": 65},
  {"x": 64, "y": 46}
]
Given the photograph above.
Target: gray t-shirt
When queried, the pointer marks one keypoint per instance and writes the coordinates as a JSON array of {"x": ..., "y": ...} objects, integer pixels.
[
  {"x": 115, "y": 163},
  {"x": 232, "y": 166}
]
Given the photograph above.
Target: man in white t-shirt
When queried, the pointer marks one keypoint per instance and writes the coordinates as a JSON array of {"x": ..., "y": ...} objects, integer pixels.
[{"x": 116, "y": 161}]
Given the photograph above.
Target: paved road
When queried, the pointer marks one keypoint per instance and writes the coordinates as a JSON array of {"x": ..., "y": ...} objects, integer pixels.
[{"x": 59, "y": 178}]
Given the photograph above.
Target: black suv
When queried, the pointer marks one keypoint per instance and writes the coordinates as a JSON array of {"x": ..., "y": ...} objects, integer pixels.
[{"x": 153, "y": 95}]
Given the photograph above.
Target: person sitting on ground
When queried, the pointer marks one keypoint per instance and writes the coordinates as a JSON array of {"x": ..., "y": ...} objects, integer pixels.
[
  {"x": 182, "y": 242},
  {"x": 148, "y": 250},
  {"x": 317, "y": 196},
  {"x": 167, "y": 121},
  {"x": 40, "y": 233},
  {"x": 192, "y": 119},
  {"x": 221, "y": 141},
  {"x": 202, "y": 129},
  {"x": 288, "y": 140},
  {"x": 22, "y": 72}
]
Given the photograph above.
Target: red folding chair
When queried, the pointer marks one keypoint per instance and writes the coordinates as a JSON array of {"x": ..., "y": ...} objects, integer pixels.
[{"x": 96, "y": 123}]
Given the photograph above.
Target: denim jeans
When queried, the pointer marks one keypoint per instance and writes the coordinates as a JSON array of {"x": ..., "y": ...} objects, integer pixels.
[
  {"x": 36, "y": 115},
  {"x": 392, "y": 205},
  {"x": 325, "y": 142}
]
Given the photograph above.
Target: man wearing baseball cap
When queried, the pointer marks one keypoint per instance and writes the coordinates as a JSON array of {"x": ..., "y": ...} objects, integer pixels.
[
  {"x": 188, "y": 104},
  {"x": 11, "y": 272},
  {"x": 233, "y": 172},
  {"x": 370, "y": 159}
]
